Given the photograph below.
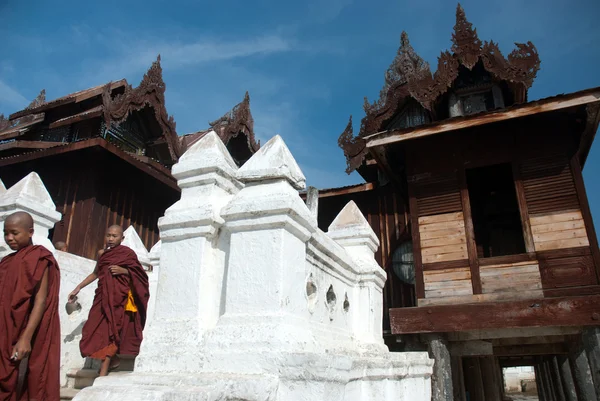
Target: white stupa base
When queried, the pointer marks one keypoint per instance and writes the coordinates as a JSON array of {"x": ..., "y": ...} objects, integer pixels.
[{"x": 279, "y": 377}]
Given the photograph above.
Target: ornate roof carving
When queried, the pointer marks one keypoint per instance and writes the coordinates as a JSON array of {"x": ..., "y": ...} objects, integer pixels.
[
  {"x": 4, "y": 122},
  {"x": 354, "y": 147},
  {"x": 150, "y": 92},
  {"x": 410, "y": 77},
  {"x": 237, "y": 121}
]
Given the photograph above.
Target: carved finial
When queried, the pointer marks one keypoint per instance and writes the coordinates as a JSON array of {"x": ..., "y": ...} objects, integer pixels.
[
  {"x": 406, "y": 65},
  {"x": 4, "y": 122},
  {"x": 39, "y": 100},
  {"x": 247, "y": 97},
  {"x": 409, "y": 62},
  {"x": 465, "y": 42},
  {"x": 153, "y": 77},
  {"x": 355, "y": 148}
]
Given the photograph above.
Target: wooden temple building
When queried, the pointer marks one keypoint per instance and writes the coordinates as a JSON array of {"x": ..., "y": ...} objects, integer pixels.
[
  {"x": 486, "y": 234},
  {"x": 105, "y": 155}
]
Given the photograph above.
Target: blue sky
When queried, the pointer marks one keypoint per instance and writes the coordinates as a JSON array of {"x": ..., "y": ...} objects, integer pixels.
[{"x": 307, "y": 64}]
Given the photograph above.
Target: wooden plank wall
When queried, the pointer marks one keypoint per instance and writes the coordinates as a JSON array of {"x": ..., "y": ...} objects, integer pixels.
[
  {"x": 443, "y": 237},
  {"x": 553, "y": 219},
  {"x": 558, "y": 230},
  {"x": 511, "y": 277},
  {"x": 91, "y": 198}
]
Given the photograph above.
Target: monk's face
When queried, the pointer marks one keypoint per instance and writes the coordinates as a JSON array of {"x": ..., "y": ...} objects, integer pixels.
[
  {"x": 114, "y": 237},
  {"x": 17, "y": 235}
]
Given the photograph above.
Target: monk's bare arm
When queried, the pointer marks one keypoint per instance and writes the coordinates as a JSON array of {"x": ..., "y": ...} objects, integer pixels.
[
  {"x": 86, "y": 281},
  {"x": 23, "y": 346}
]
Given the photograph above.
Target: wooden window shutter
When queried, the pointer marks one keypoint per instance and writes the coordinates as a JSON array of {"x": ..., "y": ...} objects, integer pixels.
[
  {"x": 437, "y": 193},
  {"x": 548, "y": 185}
]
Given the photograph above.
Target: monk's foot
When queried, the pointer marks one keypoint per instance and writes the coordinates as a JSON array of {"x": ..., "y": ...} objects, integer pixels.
[{"x": 104, "y": 367}]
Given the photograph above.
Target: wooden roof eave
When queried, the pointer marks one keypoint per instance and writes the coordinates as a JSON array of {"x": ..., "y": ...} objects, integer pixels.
[
  {"x": 75, "y": 97},
  {"x": 153, "y": 169},
  {"x": 560, "y": 102}
]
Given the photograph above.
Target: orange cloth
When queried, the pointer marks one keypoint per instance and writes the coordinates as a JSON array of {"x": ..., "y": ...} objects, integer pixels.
[{"x": 130, "y": 305}]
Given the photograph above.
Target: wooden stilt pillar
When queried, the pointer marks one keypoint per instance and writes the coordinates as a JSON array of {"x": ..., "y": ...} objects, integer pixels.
[
  {"x": 540, "y": 383},
  {"x": 473, "y": 380},
  {"x": 546, "y": 383},
  {"x": 441, "y": 380},
  {"x": 566, "y": 378},
  {"x": 555, "y": 376},
  {"x": 582, "y": 373},
  {"x": 491, "y": 388},
  {"x": 500, "y": 377},
  {"x": 458, "y": 379},
  {"x": 591, "y": 344}
]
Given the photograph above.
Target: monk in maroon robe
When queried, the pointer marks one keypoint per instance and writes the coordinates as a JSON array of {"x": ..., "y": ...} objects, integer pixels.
[
  {"x": 29, "y": 322},
  {"x": 118, "y": 313}
]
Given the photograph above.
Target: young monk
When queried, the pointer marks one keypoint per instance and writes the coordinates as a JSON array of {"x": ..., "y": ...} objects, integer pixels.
[
  {"x": 118, "y": 313},
  {"x": 29, "y": 322},
  {"x": 61, "y": 246}
]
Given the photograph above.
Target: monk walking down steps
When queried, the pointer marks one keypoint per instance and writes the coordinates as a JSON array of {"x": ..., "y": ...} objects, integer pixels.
[
  {"x": 29, "y": 322},
  {"x": 118, "y": 313}
]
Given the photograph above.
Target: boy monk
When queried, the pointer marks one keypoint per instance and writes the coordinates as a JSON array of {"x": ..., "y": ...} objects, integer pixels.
[
  {"x": 29, "y": 322},
  {"x": 118, "y": 313}
]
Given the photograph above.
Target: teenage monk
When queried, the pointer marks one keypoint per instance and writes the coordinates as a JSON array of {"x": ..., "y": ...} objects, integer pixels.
[
  {"x": 118, "y": 313},
  {"x": 29, "y": 322}
]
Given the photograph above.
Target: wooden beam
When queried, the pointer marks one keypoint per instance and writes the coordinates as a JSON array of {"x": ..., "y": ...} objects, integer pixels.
[
  {"x": 531, "y": 349},
  {"x": 566, "y": 311},
  {"x": 541, "y": 106},
  {"x": 512, "y": 333},
  {"x": 153, "y": 169},
  {"x": 586, "y": 213},
  {"x": 85, "y": 115},
  {"x": 29, "y": 145},
  {"x": 523, "y": 211},
  {"x": 470, "y": 232}
]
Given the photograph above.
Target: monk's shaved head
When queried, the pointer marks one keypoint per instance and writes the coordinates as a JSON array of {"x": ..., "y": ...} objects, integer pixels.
[
  {"x": 61, "y": 246},
  {"x": 18, "y": 230},
  {"x": 115, "y": 227},
  {"x": 114, "y": 236},
  {"x": 21, "y": 219}
]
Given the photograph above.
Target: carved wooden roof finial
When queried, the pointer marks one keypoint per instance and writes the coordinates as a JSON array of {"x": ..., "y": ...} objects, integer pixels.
[
  {"x": 4, "y": 122},
  {"x": 465, "y": 42},
  {"x": 355, "y": 148},
  {"x": 39, "y": 100}
]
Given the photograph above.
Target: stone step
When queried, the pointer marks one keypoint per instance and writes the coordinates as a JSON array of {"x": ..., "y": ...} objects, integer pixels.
[
  {"x": 81, "y": 378},
  {"x": 68, "y": 393}
]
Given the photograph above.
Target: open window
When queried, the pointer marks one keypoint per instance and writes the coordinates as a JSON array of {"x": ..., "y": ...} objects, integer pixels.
[{"x": 495, "y": 211}]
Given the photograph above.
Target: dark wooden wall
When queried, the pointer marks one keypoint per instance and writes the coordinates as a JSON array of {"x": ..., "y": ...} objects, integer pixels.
[
  {"x": 542, "y": 152},
  {"x": 94, "y": 189},
  {"x": 386, "y": 213}
]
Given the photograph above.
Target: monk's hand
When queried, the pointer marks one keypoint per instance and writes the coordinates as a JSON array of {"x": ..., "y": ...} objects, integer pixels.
[
  {"x": 21, "y": 350},
  {"x": 73, "y": 295},
  {"x": 117, "y": 270}
]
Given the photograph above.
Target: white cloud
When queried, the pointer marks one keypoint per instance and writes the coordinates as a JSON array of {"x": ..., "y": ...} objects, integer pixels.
[
  {"x": 10, "y": 96},
  {"x": 134, "y": 57}
]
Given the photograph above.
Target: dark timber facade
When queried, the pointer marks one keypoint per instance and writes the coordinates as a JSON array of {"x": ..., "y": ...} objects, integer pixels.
[{"x": 486, "y": 233}]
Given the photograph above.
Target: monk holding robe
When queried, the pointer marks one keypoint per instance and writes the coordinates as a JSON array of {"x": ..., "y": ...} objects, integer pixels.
[
  {"x": 118, "y": 313},
  {"x": 30, "y": 326}
]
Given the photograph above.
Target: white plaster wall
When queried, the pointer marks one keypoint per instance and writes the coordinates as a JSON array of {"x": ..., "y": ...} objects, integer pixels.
[
  {"x": 73, "y": 269},
  {"x": 513, "y": 377}
]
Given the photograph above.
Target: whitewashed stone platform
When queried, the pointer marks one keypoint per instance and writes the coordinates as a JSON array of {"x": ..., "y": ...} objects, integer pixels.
[{"x": 254, "y": 302}]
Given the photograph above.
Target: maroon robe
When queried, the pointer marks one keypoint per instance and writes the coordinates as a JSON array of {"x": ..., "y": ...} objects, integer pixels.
[
  {"x": 20, "y": 273},
  {"x": 110, "y": 329}
]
